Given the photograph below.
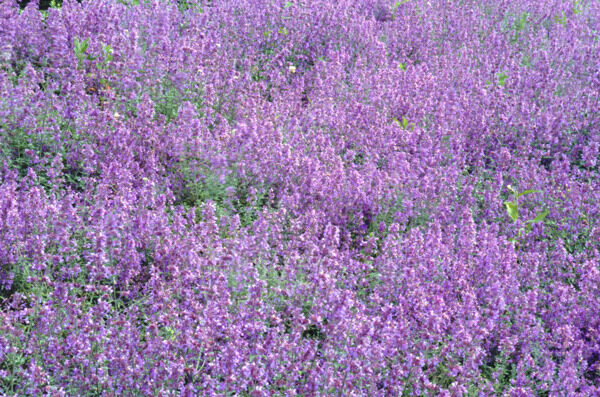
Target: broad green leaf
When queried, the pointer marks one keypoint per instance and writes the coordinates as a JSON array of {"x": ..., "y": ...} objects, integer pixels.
[
  {"x": 288, "y": 4},
  {"x": 512, "y": 209},
  {"x": 404, "y": 122}
]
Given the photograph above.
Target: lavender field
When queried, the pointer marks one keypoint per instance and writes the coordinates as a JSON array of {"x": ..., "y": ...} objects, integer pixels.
[{"x": 300, "y": 198}]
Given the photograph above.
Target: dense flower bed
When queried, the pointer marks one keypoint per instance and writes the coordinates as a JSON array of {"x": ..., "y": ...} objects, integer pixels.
[{"x": 318, "y": 197}]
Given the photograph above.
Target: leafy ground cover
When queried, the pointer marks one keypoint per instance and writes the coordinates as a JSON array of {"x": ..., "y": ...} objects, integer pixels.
[{"x": 256, "y": 198}]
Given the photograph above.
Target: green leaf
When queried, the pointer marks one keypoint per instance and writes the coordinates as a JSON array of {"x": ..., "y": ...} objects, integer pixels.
[
  {"x": 521, "y": 22},
  {"x": 502, "y": 79},
  {"x": 404, "y": 122},
  {"x": 108, "y": 52},
  {"x": 288, "y": 4},
  {"x": 81, "y": 46},
  {"x": 512, "y": 209},
  {"x": 526, "y": 192},
  {"x": 540, "y": 217},
  {"x": 398, "y": 4}
]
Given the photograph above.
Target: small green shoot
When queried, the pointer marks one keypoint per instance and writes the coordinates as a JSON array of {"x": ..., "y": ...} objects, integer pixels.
[
  {"x": 80, "y": 48},
  {"x": 396, "y": 6},
  {"x": 502, "y": 79},
  {"x": 520, "y": 23},
  {"x": 404, "y": 123},
  {"x": 108, "y": 52},
  {"x": 168, "y": 333},
  {"x": 577, "y": 7}
]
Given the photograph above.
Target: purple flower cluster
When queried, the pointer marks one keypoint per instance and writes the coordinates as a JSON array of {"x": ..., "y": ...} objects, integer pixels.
[{"x": 280, "y": 198}]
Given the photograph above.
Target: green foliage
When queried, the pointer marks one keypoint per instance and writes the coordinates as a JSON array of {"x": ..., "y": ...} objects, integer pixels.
[
  {"x": 80, "y": 49},
  {"x": 519, "y": 24},
  {"x": 19, "y": 149},
  {"x": 168, "y": 333},
  {"x": 130, "y": 2},
  {"x": 22, "y": 148},
  {"x": 496, "y": 364},
  {"x": 167, "y": 100},
  {"x": 20, "y": 279},
  {"x": 107, "y": 52},
  {"x": 396, "y": 6},
  {"x": 502, "y": 79},
  {"x": 512, "y": 208},
  {"x": 574, "y": 243},
  {"x": 231, "y": 194},
  {"x": 189, "y": 5},
  {"x": 404, "y": 123},
  {"x": 313, "y": 331},
  {"x": 14, "y": 363},
  {"x": 102, "y": 63},
  {"x": 371, "y": 280},
  {"x": 387, "y": 215}
]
